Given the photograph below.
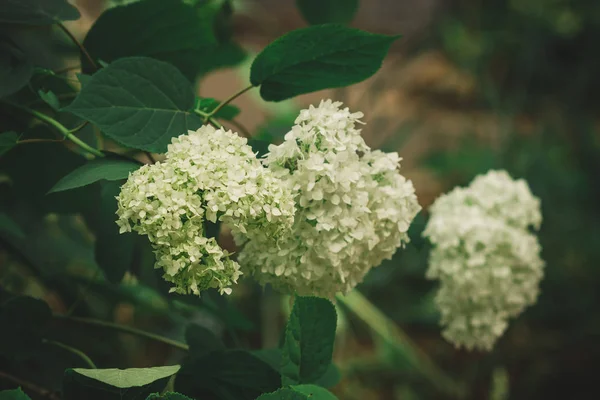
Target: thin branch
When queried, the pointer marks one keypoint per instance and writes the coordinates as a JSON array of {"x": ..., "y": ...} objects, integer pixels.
[
  {"x": 72, "y": 350},
  {"x": 125, "y": 329},
  {"x": 229, "y": 100},
  {"x": 78, "y": 44},
  {"x": 58, "y": 126},
  {"x": 25, "y": 141},
  {"x": 32, "y": 387}
]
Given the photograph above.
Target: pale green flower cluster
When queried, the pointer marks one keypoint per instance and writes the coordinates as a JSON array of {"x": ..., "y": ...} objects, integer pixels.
[
  {"x": 486, "y": 259},
  {"x": 353, "y": 208},
  {"x": 208, "y": 175}
]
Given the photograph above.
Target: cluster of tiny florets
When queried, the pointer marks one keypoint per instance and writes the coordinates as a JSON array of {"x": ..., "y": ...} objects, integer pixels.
[
  {"x": 353, "y": 208},
  {"x": 208, "y": 175},
  {"x": 486, "y": 259}
]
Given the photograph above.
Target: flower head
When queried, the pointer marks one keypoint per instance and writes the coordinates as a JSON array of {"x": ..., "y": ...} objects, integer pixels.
[
  {"x": 484, "y": 256},
  {"x": 353, "y": 208},
  {"x": 208, "y": 175}
]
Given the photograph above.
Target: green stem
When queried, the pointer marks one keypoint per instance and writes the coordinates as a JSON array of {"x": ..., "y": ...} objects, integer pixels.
[
  {"x": 392, "y": 334},
  {"x": 208, "y": 118},
  {"x": 229, "y": 100},
  {"x": 73, "y": 350},
  {"x": 79, "y": 45},
  {"x": 59, "y": 127},
  {"x": 125, "y": 329}
]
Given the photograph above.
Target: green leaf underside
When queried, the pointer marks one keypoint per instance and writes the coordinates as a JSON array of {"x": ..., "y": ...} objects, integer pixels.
[
  {"x": 8, "y": 140},
  {"x": 37, "y": 12},
  {"x": 170, "y": 31},
  {"x": 309, "y": 337},
  {"x": 227, "y": 113},
  {"x": 96, "y": 170},
  {"x": 126, "y": 378},
  {"x": 168, "y": 396},
  {"x": 327, "y": 11},
  {"x": 317, "y": 57},
  {"x": 299, "y": 392},
  {"x": 139, "y": 102},
  {"x": 50, "y": 98},
  {"x": 15, "y": 394}
]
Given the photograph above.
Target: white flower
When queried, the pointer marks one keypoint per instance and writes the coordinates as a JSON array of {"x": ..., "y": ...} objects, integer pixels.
[
  {"x": 353, "y": 207},
  {"x": 484, "y": 256},
  {"x": 209, "y": 175}
]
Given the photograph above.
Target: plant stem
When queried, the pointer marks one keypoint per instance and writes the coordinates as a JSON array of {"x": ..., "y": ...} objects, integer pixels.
[
  {"x": 229, "y": 100},
  {"x": 43, "y": 392},
  {"x": 208, "y": 118},
  {"x": 125, "y": 329},
  {"x": 78, "y": 44},
  {"x": 392, "y": 334},
  {"x": 58, "y": 126},
  {"x": 73, "y": 350}
]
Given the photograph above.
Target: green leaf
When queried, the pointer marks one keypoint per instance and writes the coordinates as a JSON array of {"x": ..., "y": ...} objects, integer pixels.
[
  {"x": 283, "y": 394},
  {"x": 227, "y": 113},
  {"x": 15, "y": 394},
  {"x": 168, "y": 396},
  {"x": 227, "y": 375},
  {"x": 115, "y": 384},
  {"x": 8, "y": 140},
  {"x": 16, "y": 68},
  {"x": 309, "y": 337},
  {"x": 94, "y": 171},
  {"x": 131, "y": 377},
  {"x": 50, "y": 98},
  {"x": 314, "y": 392},
  {"x": 113, "y": 251},
  {"x": 327, "y": 11},
  {"x": 23, "y": 320},
  {"x": 302, "y": 62},
  {"x": 299, "y": 392},
  {"x": 201, "y": 340},
  {"x": 170, "y": 31},
  {"x": 7, "y": 225},
  {"x": 37, "y": 12},
  {"x": 139, "y": 102}
]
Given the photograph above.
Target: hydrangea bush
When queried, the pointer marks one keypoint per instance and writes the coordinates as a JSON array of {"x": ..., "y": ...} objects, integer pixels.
[{"x": 310, "y": 219}]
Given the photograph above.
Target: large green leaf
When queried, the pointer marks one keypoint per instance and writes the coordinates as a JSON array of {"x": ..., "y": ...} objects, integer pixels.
[
  {"x": 139, "y": 102},
  {"x": 168, "y": 396},
  {"x": 327, "y": 11},
  {"x": 8, "y": 140},
  {"x": 113, "y": 251},
  {"x": 317, "y": 57},
  {"x": 299, "y": 392},
  {"x": 23, "y": 320},
  {"x": 37, "y": 12},
  {"x": 16, "y": 68},
  {"x": 227, "y": 375},
  {"x": 134, "y": 383},
  {"x": 131, "y": 377},
  {"x": 94, "y": 171},
  {"x": 15, "y": 394},
  {"x": 10, "y": 227},
  {"x": 309, "y": 338},
  {"x": 170, "y": 31}
]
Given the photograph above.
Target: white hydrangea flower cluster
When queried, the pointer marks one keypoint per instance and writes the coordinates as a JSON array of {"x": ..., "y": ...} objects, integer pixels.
[
  {"x": 353, "y": 208},
  {"x": 208, "y": 175},
  {"x": 486, "y": 259}
]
